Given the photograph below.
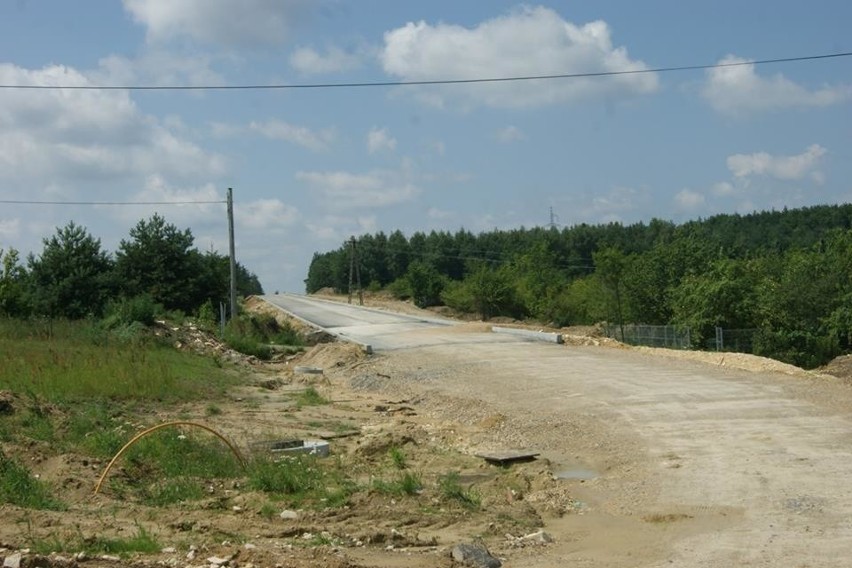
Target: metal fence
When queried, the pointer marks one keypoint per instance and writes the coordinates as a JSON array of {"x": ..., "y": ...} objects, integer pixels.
[
  {"x": 671, "y": 336},
  {"x": 732, "y": 340}
]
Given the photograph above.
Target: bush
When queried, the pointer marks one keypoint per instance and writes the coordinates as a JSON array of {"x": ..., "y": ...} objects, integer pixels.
[{"x": 125, "y": 311}]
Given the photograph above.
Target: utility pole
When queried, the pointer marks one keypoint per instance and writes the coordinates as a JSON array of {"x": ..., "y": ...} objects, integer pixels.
[
  {"x": 351, "y": 264},
  {"x": 355, "y": 270},
  {"x": 232, "y": 254}
]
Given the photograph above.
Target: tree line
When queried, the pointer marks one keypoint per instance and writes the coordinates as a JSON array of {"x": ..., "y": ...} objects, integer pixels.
[
  {"x": 784, "y": 275},
  {"x": 74, "y": 277}
]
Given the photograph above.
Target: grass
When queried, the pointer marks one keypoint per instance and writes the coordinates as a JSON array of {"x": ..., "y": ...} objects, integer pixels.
[
  {"x": 254, "y": 334},
  {"x": 302, "y": 480},
  {"x": 398, "y": 458},
  {"x": 310, "y": 397},
  {"x": 407, "y": 483},
  {"x": 452, "y": 490},
  {"x": 69, "y": 362},
  {"x": 19, "y": 487},
  {"x": 142, "y": 541}
]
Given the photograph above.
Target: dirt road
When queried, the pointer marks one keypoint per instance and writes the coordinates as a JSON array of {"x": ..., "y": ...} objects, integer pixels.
[{"x": 696, "y": 465}]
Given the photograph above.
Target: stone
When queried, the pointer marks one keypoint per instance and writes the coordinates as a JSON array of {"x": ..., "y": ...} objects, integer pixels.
[
  {"x": 218, "y": 561},
  {"x": 539, "y": 536},
  {"x": 13, "y": 561},
  {"x": 474, "y": 556},
  {"x": 289, "y": 515}
]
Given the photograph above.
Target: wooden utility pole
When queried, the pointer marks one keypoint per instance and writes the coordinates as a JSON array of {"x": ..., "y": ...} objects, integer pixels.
[{"x": 232, "y": 254}]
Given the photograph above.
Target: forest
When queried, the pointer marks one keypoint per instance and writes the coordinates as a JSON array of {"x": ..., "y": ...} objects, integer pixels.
[
  {"x": 782, "y": 277},
  {"x": 157, "y": 265}
]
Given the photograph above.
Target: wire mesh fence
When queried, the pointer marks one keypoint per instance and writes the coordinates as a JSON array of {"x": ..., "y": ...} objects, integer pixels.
[
  {"x": 732, "y": 340},
  {"x": 671, "y": 336}
]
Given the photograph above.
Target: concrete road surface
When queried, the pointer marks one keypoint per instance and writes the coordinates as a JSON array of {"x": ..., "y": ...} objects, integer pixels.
[
  {"x": 379, "y": 329},
  {"x": 699, "y": 465}
]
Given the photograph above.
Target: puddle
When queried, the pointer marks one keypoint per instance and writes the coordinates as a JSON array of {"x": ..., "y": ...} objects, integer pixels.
[{"x": 576, "y": 474}]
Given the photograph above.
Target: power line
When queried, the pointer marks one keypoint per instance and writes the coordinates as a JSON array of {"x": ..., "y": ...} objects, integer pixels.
[
  {"x": 426, "y": 82},
  {"x": 22, "y": 202}
]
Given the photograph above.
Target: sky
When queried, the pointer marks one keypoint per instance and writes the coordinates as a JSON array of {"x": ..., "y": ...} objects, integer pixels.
[{"x": 310, "y": 167}]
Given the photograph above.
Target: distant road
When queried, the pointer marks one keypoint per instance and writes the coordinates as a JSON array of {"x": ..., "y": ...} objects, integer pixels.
[{"x": 380, "y": 329}]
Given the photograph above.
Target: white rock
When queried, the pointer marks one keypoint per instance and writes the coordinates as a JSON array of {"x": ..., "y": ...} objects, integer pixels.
[
  {"x": 218, "y": 561},
  {"x": 13, "y": 560},
  {"x": 110, "y": 558},
  {"x": 191, "y": 554},
  {"x": 289, "y": 515},
  {"x": 249, "y": 546},
  {"x": 169, "y": 550},
  {"x": 539, "y": 536}
]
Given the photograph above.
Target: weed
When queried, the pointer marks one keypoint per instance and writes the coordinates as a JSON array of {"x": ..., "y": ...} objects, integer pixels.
[
  {"x": 268, "y": 511},
  {"x": 170, "y": 454},
  {"x": 173, "y": 491},
  {"x": 398, "y": 458},
  {"x": 142, "y": 541},
  {"x": 70, "y": 362},
  {"x": 252, "y": 335},
  {"x": 407, "y": 483},
  {"x": 452, "y": 490},
  {"x": 212, "y": 410},
  {"x": 303, "y": 480},
  {"x": 310, "y": 397},
  {"x": 19, "y": 487}
]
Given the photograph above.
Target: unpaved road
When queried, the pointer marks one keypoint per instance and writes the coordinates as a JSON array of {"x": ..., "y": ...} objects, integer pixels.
[{"x": 698, "y": 465}]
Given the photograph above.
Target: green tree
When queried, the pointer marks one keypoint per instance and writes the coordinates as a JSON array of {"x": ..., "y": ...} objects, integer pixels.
[
  {"x": 13, "y": 301},
  {"x": 425, "y": 284},
  {"x": 610, "y": 266},
  {"x": 159, "y": 260},
  {"x": 72, "y": 277},
  {"x": 725, "y": 296}
]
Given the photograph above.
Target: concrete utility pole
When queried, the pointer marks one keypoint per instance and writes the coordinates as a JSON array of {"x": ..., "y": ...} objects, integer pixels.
[
  {"x": 355, "y": 269},
  {"x": 232, "y": 254}
]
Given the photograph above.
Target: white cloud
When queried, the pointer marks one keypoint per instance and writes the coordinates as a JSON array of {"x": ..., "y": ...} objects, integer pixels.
[
  {"x": 9, "y": 228},
  {"x": 334, "y": 60},
  {"x": 737, "y": 90},
  {"x": 778, "y": 167},
  {"x": 247, "y": 22},
  {"x": 689, "y": 200},
  {"x": 348, "y": 190},
  {"x": 59, "y": 136},
  {"x": 510, "y": 134},
  {"x": 301, "y": 135},
  {"x": 379, "y": 139},
  {"x": 435, "y": 213},
  {"x": 157, "y": 67},
  {"x": 527, "y": 41},
  {"x": 266, "y": 214},
  {"x": 722, "y": 189}
]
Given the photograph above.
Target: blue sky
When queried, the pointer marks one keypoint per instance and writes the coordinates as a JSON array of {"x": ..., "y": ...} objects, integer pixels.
[{"x": 311, "y": 167}]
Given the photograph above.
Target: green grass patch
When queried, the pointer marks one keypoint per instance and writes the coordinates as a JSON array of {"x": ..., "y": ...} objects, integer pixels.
[
  {"x": 405, "y": 483},
  {"x": 142, "y": 542},
  {"x": 302, "y": 480},
  {"x": 19, "y": 487},
  {"x": 451, "y": 489},
  {"x": 254, "y": 334},
  {"x": 310, "y": 397},
  {"x": 398, "y": 457},
  {"x": 171, "y": 453},
  {"x": 171, "y": 491},
  {"x": 63, "y": 361}
]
